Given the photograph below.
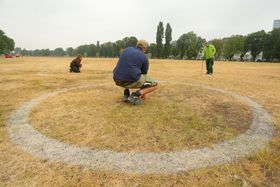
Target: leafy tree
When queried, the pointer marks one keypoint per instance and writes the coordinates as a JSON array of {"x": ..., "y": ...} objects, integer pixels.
[
  {"x": 6, "y": 44},
  {"x": 10, "y": 44},
  {"x": 174, "y": 49},
  {"x": 272, "y": 45},
  {"x": 97, "y": 49},
  {"x": 70, "y": 51},
  {"x": 25, "y": 52},
  {"x": 219, "y": 45},
  {"x": 159, "y": 37},
  {"x": 120, "y": 45},
  {"x": 81, "y": 50},
  {"x": 182, "y": 45},
  {"x": 254, "y": 42},
  {"x": 58, "y": 52},
  {"x": 194, "y": 45},
  {"x": 106, "y": 49},
  {"x": 46, "y": 52},
  {"x": 189, "y": 44},
  {"x": 191, "y": 48},
  {"x": 168, "y": 39},
  {"x": 85, "y": 50},
  {"x": 36, "y": 52},
  {"x": 153, "y": 50},
  {"x": 91, "y": 50},
  {"x": 129, "y": 41},
  {"x": 199, "y": 45},
  {"x": 233, "y": 45}
]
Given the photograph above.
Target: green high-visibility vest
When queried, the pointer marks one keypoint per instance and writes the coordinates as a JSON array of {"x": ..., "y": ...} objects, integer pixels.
[{"x": 209, "y": 52}]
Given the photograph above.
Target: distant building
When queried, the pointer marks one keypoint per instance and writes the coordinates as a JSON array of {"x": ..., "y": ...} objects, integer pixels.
[
  {"x": 200, "y": 55},
  {"x": 276, "y": 24},
  {"x": 248, "y": 57},
  {"x": 236, "y": 57},
  {"x": 259, "y": 57}
]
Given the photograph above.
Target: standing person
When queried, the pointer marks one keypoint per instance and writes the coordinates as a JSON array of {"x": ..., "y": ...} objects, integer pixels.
[
  {"x": 209, "y": 53},
  {"x": 76, "y": 64},
  {"x": 131, "y": 73}
]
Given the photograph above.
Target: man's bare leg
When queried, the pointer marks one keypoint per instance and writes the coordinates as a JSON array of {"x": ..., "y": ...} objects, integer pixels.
[
  {"x": 138, "y": 96},
  {"x": 145, "y": 91}
]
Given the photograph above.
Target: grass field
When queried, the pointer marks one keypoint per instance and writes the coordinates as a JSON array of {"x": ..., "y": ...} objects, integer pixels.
[{"x": 176, "y": 116}]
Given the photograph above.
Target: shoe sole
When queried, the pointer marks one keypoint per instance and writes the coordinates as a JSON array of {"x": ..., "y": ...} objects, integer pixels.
[
  {"x": 134, "y": 102},
  {"x": 125, "y": 100}
]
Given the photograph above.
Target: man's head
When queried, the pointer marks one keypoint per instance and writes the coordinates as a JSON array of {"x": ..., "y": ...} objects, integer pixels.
[
  {"x": 143, "y": 44},
  {"x": 206, "y": 44},
  {"x": 79, "y": 57}
]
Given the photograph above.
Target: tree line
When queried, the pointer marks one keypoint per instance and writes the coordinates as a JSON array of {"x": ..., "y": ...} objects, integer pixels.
[
  {"x": 187, "y": 46},
  {"x": 108, "y": 49},
  {"x": 257, "y": 42}
]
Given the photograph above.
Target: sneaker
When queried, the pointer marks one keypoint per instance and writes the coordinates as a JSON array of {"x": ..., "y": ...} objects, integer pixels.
[
  {"x": 135, "y": 100},
  {"x": 126, "y": 94},
  {"x": 125, "y": 98}
]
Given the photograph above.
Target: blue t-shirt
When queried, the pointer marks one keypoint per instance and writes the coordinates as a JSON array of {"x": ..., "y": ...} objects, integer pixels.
[{"x": 132, "y": 63}]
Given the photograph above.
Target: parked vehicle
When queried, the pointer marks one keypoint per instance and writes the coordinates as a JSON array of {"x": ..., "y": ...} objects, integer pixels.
[{"x": 7, "y": 55}]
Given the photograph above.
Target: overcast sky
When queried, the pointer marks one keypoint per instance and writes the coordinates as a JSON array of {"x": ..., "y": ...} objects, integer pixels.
[{"x": 68, "y": 23}]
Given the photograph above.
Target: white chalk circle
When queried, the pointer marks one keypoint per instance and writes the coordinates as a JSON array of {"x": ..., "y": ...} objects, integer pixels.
[{"x": 30, "y": 140}]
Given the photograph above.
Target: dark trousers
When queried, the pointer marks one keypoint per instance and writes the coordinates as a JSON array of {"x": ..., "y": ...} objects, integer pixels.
[
  {"x": 209, "y": 65},
  {"x": 74, "y": 68}
]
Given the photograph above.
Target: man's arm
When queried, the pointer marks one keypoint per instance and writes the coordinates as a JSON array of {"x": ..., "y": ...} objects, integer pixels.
[
  {"x": 145, "y": 66},
  {"x": 214, "y": 50},
  {"x": 77, "y": 62}
]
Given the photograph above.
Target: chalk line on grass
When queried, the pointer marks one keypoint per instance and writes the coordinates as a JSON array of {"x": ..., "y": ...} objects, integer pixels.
[{"x": 22, "y": 134}]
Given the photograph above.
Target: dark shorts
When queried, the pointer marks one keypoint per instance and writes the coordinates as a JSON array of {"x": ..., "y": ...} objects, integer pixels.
[
  {"x": 74, "y": 68},
  {"x": 143, "y": 82}
]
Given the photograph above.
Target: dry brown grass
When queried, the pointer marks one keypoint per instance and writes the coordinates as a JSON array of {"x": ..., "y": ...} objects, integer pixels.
[
  {"x": 22, "y": 79},
  {"x": 174, "y": 118}
]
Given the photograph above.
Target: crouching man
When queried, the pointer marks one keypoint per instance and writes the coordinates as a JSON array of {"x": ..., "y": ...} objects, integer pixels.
[
  {"x": 76, "y": 64},
  {"x": 131, "y": 73}
]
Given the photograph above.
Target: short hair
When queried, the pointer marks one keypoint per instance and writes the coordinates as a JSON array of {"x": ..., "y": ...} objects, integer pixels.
[{"x": 142, "y": 44}]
